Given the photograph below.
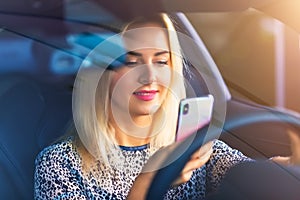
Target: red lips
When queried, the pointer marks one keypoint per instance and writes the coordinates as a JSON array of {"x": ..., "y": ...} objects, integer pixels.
[{"x": 145, "y": 95}]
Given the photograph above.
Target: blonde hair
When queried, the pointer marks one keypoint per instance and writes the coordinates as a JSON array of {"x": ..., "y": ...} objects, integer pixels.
[{"x": 96, "y": 133}]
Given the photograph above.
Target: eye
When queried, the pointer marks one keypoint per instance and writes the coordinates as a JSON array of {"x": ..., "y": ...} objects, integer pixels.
[
  {"x": 161, "y": 63},
  {"x": 162, "y": 60},
  {"x": 131, "y": 63}
]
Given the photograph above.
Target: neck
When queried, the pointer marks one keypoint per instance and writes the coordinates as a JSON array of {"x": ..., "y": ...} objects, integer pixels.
[
  {"x": 132, "y": 131},
  {"x": 125, "y": 139}
]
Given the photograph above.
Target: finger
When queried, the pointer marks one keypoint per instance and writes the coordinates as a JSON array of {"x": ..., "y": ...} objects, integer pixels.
[
  {"x": 183, "y": 178},
  {"x": 204, "y": 156},
  {"x": 295, "y": 147},
  {"x": 281, "y": 160},
  {"x": 203, "y": 150},
  {"x": 198, "y": 159},
  {"x": 192, "y": 165}
]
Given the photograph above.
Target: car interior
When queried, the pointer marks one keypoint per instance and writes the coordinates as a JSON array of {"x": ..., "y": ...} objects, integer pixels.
[{"x": 40, "y": 59}]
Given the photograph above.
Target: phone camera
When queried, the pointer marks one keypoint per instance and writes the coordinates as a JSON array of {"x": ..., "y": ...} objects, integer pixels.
[{"x": 185, "y": 109}]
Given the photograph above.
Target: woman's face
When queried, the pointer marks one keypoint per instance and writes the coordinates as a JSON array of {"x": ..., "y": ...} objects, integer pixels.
[{"x": 140, "y": 86}]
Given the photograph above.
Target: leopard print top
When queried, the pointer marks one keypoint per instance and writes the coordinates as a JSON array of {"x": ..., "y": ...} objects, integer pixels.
[{"x": 58, "y": 174}]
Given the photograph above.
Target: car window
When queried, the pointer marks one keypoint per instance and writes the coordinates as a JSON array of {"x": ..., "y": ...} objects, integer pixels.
[{"x": 258, "y": 56}]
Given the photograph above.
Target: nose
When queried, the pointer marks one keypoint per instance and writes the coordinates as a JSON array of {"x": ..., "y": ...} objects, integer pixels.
[{"x": 147, "y": 75}]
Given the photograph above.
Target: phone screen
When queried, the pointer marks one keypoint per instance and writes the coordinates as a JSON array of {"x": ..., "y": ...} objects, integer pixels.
[{"x": 194, "y": 113}]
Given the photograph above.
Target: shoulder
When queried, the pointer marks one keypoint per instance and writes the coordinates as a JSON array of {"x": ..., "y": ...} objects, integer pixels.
[
  {"x": 56, "y": 152},
  {"x": 57, "y": 171}
]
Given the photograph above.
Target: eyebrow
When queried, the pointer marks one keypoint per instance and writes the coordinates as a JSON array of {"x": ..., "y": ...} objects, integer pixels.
[{"x": 133, "y": 53}]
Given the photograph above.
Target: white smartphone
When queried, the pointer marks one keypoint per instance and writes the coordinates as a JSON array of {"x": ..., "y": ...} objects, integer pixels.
[{"x": 194, "y": 113}]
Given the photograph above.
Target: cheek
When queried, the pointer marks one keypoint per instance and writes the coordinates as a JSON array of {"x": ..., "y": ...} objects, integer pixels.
[
  {"x": 164, "y": 77},
  {"x": 117, "y": 88},
  {"x": 117, "y": 81},
  {"x": 114, "y": 81},
  {"x": 122, "y": 85}
]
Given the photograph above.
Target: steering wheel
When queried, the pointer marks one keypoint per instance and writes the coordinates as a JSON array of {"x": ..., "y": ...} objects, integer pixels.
[{"x": 166, "y": 175}]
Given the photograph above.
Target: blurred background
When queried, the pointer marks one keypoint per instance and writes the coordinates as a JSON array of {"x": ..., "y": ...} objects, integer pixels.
[{"x": 258, "y": 56}]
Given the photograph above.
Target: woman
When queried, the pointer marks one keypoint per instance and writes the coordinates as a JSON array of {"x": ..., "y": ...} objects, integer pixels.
[{"x": 123, "y": 121}]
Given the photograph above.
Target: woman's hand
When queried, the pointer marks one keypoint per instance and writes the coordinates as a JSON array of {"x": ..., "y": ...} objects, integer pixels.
[
  {"x": 198, "y": 159},
  {"x": 294, "y": 159},
  {"x": 143, "y": 181}
]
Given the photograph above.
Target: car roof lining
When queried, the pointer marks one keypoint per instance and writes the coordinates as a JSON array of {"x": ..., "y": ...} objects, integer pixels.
[{"x": 286, "y": 11}]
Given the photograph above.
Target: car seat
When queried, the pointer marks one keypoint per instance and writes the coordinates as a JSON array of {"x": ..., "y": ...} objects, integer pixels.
[{"x": 30, "y": 119}]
